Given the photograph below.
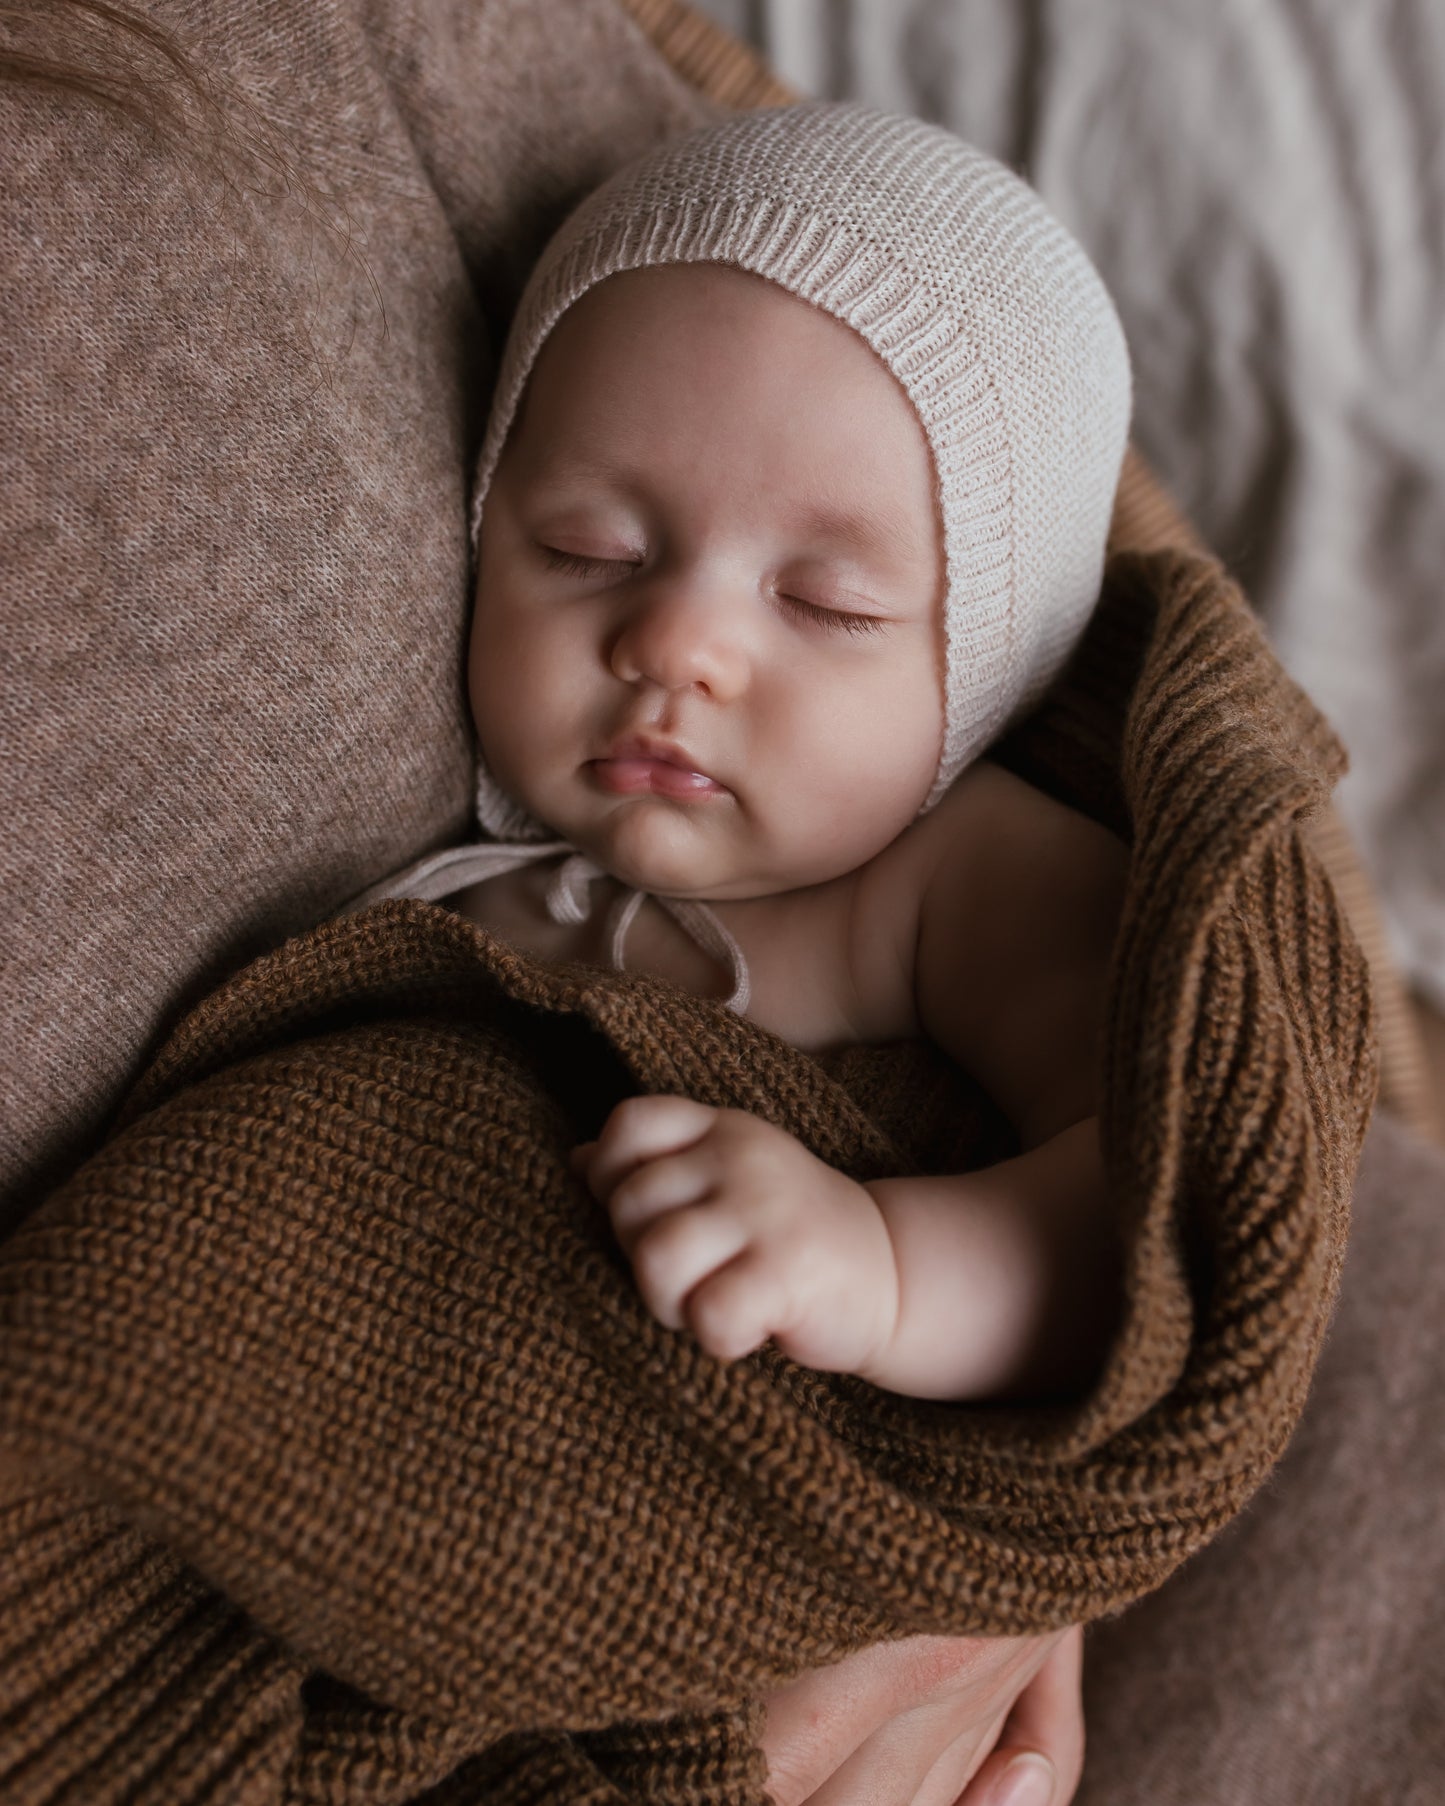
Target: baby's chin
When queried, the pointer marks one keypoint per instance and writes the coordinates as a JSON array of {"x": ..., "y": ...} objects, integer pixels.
[
  {"x": 652, "y": 860},
  {"x": 683, "y": 851}
]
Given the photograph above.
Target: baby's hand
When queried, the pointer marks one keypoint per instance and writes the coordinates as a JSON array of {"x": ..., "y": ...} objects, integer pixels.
[{"x": 735, "y": 1231}]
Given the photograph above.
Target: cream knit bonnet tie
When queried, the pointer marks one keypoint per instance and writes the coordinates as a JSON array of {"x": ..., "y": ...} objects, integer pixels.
[{"x": 991, "y": 318}]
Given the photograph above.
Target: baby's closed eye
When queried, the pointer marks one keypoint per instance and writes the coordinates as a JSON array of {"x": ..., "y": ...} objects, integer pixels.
[{"x": 579, "y": 564}]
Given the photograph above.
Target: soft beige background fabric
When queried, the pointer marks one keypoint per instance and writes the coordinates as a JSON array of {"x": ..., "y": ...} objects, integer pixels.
[
  {"x": 239, "y": 420},
  {"x": 1262, "y": 183}
]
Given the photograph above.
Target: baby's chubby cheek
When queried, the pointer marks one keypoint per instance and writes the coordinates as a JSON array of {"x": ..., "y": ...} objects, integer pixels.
[
  {"x": 500, "y": 695},
  {"x": 481, "y": 669}
]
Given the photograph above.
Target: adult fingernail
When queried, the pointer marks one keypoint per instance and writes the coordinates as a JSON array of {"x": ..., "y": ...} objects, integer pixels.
[{"x": 1027, "y": 1781}]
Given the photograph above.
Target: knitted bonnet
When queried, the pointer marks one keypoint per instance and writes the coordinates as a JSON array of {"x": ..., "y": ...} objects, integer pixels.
[{"x": 991, "y": 318}]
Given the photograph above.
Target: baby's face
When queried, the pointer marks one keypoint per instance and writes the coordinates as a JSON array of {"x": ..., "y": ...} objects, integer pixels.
[{"x": 713, "y": 524}]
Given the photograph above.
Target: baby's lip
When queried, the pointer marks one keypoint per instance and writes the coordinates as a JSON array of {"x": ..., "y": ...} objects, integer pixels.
[{"x": 649, "y": 746}]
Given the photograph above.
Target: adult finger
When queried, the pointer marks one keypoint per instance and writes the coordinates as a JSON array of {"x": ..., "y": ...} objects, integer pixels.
[
  {"x": 1039, "y": 1756},
  {"x": 891, "y": 1709}
]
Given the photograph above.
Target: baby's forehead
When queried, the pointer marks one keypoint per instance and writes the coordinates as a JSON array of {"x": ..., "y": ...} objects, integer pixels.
[
  {"x": 691, "y": 290},
  {"x": 705, "y": 327},
  {"x": 699, "y": 371}
]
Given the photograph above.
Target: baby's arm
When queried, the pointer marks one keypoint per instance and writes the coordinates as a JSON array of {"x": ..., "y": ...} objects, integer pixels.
[{"x": 1008, "y": 1278}]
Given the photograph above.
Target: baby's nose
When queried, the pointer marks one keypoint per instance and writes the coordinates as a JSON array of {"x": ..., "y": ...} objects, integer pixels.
[{"x": 681, "y": 633}]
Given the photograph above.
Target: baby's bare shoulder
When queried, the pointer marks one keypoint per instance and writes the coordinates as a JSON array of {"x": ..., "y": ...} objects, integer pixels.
[
  {"x": 1032, "y": 842},
  {"x": 1018, "y": 907}
]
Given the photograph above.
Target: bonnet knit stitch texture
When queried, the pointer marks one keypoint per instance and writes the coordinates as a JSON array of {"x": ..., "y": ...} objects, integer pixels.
[{"x": 990, "y": 316}]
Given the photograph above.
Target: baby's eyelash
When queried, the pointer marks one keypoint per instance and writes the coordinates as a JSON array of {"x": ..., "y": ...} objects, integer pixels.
[
  {"x": 834, "y": 618},
  {"x": 575, "y": 565}
]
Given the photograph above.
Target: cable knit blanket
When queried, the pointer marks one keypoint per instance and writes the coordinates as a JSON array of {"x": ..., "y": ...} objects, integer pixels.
[{"x": 339, "y": 1459}]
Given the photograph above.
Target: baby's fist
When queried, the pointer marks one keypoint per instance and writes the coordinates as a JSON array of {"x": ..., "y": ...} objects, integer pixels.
[{"x": 736, "y": 1231}]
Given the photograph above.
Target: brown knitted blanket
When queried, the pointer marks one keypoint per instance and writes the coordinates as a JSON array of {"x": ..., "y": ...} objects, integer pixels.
[{"x": 340, "y": 1460}]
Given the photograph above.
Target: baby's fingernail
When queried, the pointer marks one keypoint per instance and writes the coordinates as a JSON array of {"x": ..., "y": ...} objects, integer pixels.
[{"x": 1028, "y": 1781}]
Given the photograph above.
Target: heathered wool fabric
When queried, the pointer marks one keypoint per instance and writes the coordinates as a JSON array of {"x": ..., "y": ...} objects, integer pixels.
[
  {"x": 340, "y": 1459},
  {"x": 243, "y": 379},
  {"x": 988, "y": 314}
]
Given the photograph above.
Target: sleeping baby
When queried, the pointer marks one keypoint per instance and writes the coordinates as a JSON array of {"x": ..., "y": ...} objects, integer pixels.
[{"x": 794, "y": 496}]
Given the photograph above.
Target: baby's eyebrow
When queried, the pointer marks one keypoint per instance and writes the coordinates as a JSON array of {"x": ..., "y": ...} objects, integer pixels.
[
  {"x": 576, "y": 468},
  {"x": 887, "y": 530}
]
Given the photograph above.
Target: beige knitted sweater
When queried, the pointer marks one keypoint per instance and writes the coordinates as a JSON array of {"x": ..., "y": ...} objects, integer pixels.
[{"x": 340, "y": 1460}]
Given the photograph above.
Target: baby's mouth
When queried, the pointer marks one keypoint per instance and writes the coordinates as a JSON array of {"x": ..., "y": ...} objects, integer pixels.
[
  {"x": 630, "y": 777},
  {"x": 643, "y": 763}
]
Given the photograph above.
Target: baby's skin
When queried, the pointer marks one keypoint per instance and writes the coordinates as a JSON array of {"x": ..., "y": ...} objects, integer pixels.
[{"x": 713, "y": 530}]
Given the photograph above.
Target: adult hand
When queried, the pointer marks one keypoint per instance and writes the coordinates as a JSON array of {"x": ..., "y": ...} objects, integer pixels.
[{"x": 933, "y": 1721}]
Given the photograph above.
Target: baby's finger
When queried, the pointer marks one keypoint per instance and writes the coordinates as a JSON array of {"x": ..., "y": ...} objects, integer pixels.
[
  {"x": 675, "y": 1253},
  {"x": 731, "y": 1311},
  {"x": 641, "y": 1129},
  {"x": 655, "y": 1187}
]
